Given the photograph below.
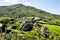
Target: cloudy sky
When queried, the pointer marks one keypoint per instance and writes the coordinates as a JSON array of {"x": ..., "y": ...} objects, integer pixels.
[{"x": 52, "y": 6}]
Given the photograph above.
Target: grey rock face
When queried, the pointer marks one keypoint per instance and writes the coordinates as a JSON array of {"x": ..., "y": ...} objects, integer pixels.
[{"x": 45, "y": 32}]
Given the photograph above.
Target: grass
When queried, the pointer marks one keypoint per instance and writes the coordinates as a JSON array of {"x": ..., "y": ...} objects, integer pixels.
[
  {"x": 53, "y": 28},
  {"x": 36, "y": 30}
]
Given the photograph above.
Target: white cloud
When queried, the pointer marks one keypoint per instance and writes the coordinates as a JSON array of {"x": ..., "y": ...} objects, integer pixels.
[
  {"x": 27, "y": 3},
  {"x": 11, "y": 1},
  {"x": 17, "y": 2}
]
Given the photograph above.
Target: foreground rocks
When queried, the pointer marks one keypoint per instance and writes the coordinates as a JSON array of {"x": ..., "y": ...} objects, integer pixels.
[{"x": 44, "y": 33}]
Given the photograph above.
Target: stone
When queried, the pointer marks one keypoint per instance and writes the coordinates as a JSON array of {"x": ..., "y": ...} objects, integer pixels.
[
  {"x": 38, "y": 24},
  {"x": 28, "y": 27},
  {"x": 3, "y": 27},
  {"x": 45, "y": 32}
]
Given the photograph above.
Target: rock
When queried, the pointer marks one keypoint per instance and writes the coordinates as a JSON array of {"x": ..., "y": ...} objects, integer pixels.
[
  {"x": 3, "y": 27},
  {"x": 25, "y": 19},
  {"x": 46, "y": 20},
  {"x": 28, "y": 27},
  {"x": 33, "y": 21},
  {"x": 0, "y": 25},
  {"x": 12, "y": 22},
  {"x": 51, "y": 37},
  {"x": 22, "y": 23},
  {"x": 36, "y": 18},
  {"x": 38, "y": 24},
  {"x": 45, "y": 32}
]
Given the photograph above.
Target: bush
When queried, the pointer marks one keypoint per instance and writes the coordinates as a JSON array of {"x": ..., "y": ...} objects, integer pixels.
[
  {"x": 4, "y": 21},
  {"x": 14, "y": 27}
]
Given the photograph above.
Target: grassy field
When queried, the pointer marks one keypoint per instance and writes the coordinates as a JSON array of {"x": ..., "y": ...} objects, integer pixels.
[{"x": 53, "y": 28}]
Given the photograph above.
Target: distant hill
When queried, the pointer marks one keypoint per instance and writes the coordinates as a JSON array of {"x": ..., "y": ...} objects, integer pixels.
[{"x": 20, "y": 10}]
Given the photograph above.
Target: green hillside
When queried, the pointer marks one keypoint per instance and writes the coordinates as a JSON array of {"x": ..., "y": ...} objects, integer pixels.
[
  {"x": 13, "y": 15},
  {"x": 20, "y": 10}
]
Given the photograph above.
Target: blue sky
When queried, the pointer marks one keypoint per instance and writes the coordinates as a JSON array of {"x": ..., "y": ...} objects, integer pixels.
[{"x": 52, "y": 6}]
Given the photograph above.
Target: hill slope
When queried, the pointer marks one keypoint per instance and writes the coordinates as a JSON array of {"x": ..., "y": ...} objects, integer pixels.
[{"x": 19, "y": 10}]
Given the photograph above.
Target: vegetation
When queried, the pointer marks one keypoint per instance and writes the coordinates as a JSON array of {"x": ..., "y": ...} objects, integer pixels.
[{"x": 14, "y": 15}]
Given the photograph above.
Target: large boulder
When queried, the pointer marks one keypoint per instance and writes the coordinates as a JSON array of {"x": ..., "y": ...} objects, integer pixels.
[
  {"x": 3, "y": 27},
  {"x": 27, "y": 27},
  {"x": 36, "y": 18}
]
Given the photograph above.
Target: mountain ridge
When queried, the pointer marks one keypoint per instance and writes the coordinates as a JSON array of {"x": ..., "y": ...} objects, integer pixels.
[{"x": 20, "y": 10}]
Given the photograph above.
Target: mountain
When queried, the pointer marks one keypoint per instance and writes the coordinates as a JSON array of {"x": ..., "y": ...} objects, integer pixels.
[
  {"x": 20, "y": 10},
  {"x": 14, "y": 17}
]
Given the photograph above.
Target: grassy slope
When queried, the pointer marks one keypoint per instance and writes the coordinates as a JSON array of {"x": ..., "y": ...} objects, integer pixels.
[
  {"x": 53, "y": 28},
  {"x": 27, "y": 11},
  {"x": 22, "y": 10}
]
